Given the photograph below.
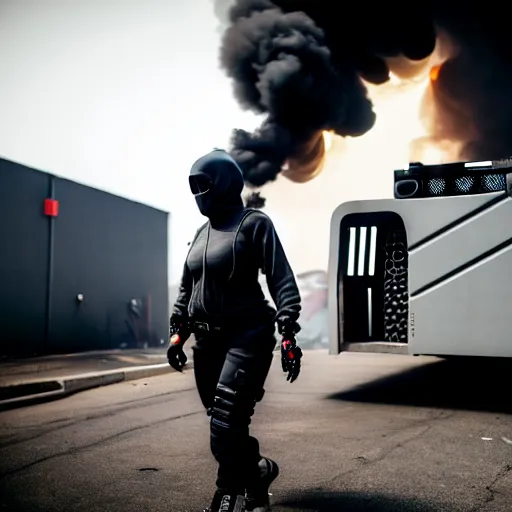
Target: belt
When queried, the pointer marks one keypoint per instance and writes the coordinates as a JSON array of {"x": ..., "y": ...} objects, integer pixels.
[
  {"x": 200, "y": 326},
  {"x": 204, "y": 327}
]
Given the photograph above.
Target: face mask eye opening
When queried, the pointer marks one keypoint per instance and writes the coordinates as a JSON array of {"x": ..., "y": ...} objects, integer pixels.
[{"x": 199, "y": 184}]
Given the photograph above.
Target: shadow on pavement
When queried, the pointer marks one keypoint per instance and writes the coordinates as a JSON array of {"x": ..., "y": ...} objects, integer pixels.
[
  {"x": 475, "y": 384},
  {"x": 355, "y": 502}
]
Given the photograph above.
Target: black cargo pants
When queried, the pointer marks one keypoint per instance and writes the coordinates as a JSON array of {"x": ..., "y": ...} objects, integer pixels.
[{"x": 230, "y": 368}]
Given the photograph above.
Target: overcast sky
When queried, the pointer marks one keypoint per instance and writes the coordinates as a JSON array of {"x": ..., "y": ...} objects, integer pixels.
[{"x": 124, "y": 95}]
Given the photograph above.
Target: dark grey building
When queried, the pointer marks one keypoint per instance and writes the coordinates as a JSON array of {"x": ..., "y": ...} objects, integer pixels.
[{"x": 80, "y": 269}]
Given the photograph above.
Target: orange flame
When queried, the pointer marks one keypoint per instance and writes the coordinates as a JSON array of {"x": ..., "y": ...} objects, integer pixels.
[
  {"x": 309, "y": 162},
  {"x": 434, "y": 73}
]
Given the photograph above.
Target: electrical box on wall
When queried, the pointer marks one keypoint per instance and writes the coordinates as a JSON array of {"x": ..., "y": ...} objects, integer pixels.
[{"x": 51, "y": 207}]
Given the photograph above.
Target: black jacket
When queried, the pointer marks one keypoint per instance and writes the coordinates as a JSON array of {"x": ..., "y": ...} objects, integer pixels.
[{"x": 220, "y": 276}]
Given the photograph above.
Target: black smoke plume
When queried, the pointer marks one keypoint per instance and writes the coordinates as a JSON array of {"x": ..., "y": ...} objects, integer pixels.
[
  {"x": 303, "y": 64},
  {"x": 254, "y": 200}
]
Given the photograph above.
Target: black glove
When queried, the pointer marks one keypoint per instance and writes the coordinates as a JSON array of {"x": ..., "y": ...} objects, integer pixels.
[
  {"x": 179, "y": 333},
  {"x": 290, "y": 352},
  {"x": 291, "y": 355}
]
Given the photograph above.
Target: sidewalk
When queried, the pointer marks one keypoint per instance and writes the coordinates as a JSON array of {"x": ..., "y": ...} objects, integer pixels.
[{"x": 28, "y": 381}]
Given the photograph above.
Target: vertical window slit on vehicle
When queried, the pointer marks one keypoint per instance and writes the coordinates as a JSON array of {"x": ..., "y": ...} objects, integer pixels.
[
  {"x": 358, "y": 244},
  {"x": 373, "y": 250},
  {"x": 351, "y": 252},
  {"x": 361, "y": 249},
  {"x": 369, "y": 312}
]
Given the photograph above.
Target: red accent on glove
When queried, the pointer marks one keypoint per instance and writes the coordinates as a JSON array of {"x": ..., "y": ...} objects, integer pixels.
[{"x": 287, "y": 345}]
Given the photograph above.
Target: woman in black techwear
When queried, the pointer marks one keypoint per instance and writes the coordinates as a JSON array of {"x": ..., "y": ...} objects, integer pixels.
[{"x": 222, "y": 303}]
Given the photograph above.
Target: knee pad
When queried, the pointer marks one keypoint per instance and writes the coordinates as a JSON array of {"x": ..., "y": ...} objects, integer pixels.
[
  {"x": 233, "y": 408},
  {"x": 224, "y": 410}
]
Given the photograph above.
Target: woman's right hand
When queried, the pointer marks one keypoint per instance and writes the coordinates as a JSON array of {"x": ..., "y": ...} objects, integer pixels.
[
  {"x": 179, "y": 332},
  {"x": 175, "y": 354}
]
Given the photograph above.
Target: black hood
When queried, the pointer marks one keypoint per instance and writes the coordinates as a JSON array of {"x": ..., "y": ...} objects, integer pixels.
[{"x": 217, "y": 184}]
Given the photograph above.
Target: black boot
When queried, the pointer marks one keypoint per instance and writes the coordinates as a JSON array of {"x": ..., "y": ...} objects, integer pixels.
[
  {"x": 226, "y": 501},
  {"x": 257, "y": 499}
]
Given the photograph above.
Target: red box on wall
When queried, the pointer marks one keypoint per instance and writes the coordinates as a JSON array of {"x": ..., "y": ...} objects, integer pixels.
[{"x": 51, "y": 207}]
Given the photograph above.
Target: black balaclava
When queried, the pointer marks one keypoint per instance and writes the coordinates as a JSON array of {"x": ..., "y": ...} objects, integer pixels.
[{"x": 217, "y": 184}]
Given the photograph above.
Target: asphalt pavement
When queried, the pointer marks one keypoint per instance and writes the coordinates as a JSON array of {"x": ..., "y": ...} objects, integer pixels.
[{"x": 356, "y": 432}]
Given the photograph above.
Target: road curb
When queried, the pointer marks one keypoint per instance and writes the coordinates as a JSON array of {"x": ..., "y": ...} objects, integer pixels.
[{"x": 33, "y": 392}]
